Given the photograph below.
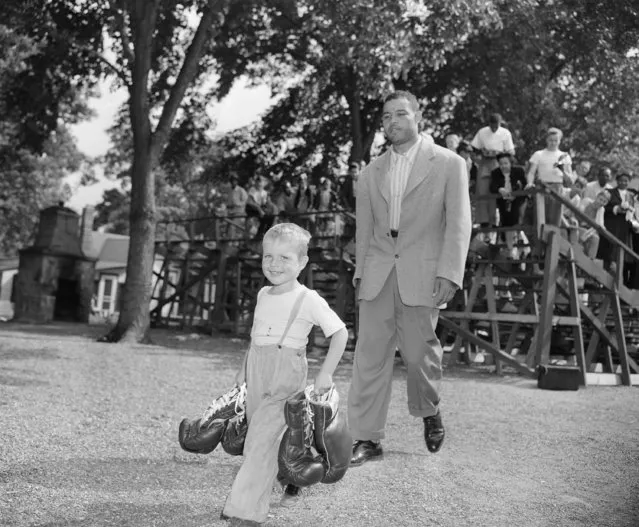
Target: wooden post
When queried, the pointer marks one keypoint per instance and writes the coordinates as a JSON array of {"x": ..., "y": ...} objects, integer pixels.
[
  {"x": 576, "y": 312},
  {"x": 549, "y": 290},
  {"x": 622, "y": 349}
]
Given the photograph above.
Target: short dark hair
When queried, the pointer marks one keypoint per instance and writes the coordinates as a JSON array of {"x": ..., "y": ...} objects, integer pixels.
[
  {"x": 503, "y": 154},
  {"x": 464, "y": 146},
  {"x": 402, "y": 94},
  {"x": 495, "y": 118}
]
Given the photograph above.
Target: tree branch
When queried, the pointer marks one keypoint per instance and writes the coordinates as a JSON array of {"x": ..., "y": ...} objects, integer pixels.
[
  {"x": 124, "y": 35},
  {"x": 184, "y": 79},
  {"x": 121, "y": 74}
]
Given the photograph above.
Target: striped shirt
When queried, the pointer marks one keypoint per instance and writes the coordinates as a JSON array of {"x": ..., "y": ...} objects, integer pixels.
[{"x": 400, "y": 167}]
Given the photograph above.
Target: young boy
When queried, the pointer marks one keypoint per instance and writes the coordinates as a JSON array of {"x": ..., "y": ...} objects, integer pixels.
[{"x": 275, "y": 367}]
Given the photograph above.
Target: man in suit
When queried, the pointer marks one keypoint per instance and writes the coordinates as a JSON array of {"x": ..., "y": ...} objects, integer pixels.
[{"x": 413, "y": 232}]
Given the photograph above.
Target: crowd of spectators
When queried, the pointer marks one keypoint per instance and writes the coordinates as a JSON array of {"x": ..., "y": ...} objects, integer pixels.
[
  {"x": 321, "y": 206},
  {"x": 609, "y": 198}
]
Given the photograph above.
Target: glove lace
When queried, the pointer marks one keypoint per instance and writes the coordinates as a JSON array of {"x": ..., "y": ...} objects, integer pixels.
[{"x": 233, "y": 395}]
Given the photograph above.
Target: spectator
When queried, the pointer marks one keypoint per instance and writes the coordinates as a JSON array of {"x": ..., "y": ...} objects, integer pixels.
[
  {"x": 304, "y": 204},
  {"x": 452, "y": 142},
  {"x": 505, "y": 180},
  {"x": 617, "y": 213},
  {"x": 593, "y": 189},
  {"x": 583, "y": 169},
  {"x": 284, "y": 199},
  {"x": 325, "y": 197},
  {"x": 348, "y": 189},
  {"x": 236, "y": 207},
  {"x": 465, "y": 150},
  {"x": 489, "y": 141},
  {"x": 633, "y": 267},
  {"x": 593, "y": 209},
  {"x": 551, "y": 166}
]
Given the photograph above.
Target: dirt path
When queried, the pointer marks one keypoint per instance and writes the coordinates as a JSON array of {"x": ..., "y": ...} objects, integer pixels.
[{"x": 89, "y": 439}]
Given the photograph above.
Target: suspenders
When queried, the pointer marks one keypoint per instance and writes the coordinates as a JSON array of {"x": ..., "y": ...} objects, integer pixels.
[{"x": 294, "y": 312}]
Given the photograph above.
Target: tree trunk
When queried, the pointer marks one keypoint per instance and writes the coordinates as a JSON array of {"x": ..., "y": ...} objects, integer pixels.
[
  {"x": 134, "y": 320},
  {"x": 133, "y": 323}
]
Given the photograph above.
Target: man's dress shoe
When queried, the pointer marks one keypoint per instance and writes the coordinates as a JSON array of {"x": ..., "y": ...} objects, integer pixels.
[
  {"x": 434, "y": 432},
  {"x": 364, "y": 451}
]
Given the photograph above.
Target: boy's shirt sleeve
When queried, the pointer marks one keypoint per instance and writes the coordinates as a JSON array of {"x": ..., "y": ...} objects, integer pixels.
[{"x": 323, "y": 315}]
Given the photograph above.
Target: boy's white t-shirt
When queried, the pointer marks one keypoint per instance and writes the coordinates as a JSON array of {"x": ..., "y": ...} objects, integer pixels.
[{"x": 273, "y": 311}]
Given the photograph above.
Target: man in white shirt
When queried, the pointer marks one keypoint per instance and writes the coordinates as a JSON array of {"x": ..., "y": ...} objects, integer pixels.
[
  {"x": 489, "y": 141},
  {"x": 554, "y": 168},
  {"x": 604, "y": 177}
]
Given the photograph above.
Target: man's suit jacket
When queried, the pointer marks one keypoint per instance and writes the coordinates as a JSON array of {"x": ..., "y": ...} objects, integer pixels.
[{"x": 434, "y": 231}]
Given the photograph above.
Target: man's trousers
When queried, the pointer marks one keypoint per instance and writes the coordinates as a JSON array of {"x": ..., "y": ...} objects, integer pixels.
[{"x": 386, "y": 323}]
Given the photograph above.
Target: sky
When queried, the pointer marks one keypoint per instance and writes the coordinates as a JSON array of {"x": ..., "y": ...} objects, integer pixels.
[{"x": 240, "y": 107}]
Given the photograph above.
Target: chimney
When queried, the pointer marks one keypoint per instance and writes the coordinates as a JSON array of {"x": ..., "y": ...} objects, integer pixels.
[{"x": 86, "y": 231}]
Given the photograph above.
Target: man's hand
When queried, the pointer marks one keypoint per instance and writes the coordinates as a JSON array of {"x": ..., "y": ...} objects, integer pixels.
[
  {"x": 444, "y": 291},
  {"x": 323, "y": 383},
  {"x": 356, "y": 283}
]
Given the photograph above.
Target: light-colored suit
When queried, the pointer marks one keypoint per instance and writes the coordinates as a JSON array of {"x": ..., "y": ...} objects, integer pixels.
[
  {"x": 434, "y": 230},
  {"x": 397, "y": 280}
]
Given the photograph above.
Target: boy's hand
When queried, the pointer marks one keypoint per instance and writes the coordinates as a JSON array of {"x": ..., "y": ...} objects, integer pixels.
[{"x": 323, "y": 383}]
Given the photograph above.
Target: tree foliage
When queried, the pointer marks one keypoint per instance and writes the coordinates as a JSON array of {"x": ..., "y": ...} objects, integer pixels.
[
  {"x": 563, "y": 63},
  {"x": 560, "y": 63},
  {"x": 39, "y": 94}
]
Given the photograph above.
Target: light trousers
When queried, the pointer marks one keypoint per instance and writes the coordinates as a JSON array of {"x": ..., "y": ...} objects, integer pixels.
[
  {"x": 386, "y": 323},
  {"x": 273, "y": 375}
]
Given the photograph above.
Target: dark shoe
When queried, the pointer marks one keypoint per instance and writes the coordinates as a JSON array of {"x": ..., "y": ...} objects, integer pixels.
[
  {"x": 364, "y": 451},
  {"x": 292, "y": 494},
  {"x": 434, "y": 432}
]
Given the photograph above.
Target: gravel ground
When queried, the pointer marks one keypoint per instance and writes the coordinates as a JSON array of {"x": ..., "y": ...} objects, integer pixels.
[{"x": 89, "y": 438}]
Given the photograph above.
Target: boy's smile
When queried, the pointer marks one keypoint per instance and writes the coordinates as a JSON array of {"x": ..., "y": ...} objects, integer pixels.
[{"x": 281, "y": 264}]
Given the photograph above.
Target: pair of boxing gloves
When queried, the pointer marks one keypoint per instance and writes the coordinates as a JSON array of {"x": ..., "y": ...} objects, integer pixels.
[
  {"x": 314, "y": 422},
  {"x": 224, "y": 421}
]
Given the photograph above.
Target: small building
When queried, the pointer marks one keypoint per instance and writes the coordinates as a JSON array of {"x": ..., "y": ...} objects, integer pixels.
[
  {"x": 55, "y": 277},
  {"x": 70, "y": 272}
]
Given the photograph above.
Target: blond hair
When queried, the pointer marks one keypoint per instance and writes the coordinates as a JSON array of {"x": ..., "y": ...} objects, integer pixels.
[
  {"x": 554, "y": 131},
  {"x": 292, "y": 233}
]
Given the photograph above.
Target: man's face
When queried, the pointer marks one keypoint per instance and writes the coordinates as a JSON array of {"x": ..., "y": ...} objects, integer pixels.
[
  {"x": 582, "y": 169},
  {"x": 400, "y": 121},
  {"x": 494, "y": 125},
  {"x": 604, "y": 177}
]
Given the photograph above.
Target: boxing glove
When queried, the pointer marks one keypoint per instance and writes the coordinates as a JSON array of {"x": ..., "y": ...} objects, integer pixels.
[
  {"x": 297, "y": 464},
  {"x": 226, "y": 406},
  {"x": 201, "y": 436},
  {"x": 200, "y": 440},
  {"x": 333, "y": 440},
  {"x": 235, "y": 435}
]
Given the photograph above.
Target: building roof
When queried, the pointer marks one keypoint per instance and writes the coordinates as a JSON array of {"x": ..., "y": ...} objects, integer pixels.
[
  {"x": 7, "y": 264},
  {"x": 114, "y": 251},
  {"x": 109, "y": 247},
  {"x": 110, "y": 250}
]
